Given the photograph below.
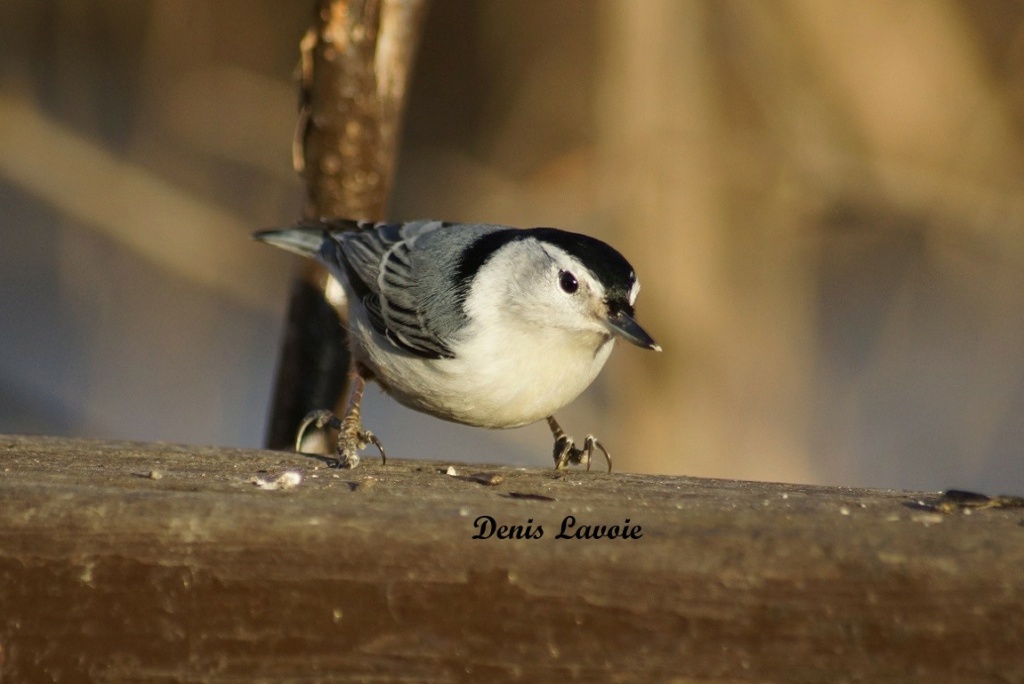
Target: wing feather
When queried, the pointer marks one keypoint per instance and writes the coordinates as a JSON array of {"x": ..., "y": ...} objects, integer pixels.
[
  {"x": 411, "y": 278},
  {"x": 379, "y": 261}
]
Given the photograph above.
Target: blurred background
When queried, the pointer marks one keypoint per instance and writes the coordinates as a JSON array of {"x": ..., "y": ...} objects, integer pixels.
[{"x": 823, "y": 201}]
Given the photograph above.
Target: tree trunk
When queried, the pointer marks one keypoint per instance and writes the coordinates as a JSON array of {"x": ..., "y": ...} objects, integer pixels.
[{"x": 356, "y": 61}]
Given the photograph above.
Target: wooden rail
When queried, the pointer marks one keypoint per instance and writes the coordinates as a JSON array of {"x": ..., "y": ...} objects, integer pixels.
[{"x": 160, "y": 563}]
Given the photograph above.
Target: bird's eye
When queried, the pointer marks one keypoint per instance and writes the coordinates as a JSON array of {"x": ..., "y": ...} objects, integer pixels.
[{"x": 567, "y": 281}]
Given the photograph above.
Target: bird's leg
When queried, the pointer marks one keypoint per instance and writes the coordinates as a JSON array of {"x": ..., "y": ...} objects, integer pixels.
[
  {"x": 567, "y": 453},
  {"x": 351, "y": 435}
]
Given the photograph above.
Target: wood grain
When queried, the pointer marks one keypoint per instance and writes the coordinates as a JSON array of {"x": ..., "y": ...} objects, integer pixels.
[{"x": 161, "y": 563}]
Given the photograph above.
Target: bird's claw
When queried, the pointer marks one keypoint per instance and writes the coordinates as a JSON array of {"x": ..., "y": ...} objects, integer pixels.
[
  {"x": 351, "y": 441},
  {"x": 317, "y": 420},
  {"x": 567, "y": 453},
  {"x": 352, "y": 438}
]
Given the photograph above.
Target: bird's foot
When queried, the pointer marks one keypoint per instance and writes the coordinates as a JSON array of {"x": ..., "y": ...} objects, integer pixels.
[
  {"x": 352, "y": 438},
  {"x": 566, "y": 452}
]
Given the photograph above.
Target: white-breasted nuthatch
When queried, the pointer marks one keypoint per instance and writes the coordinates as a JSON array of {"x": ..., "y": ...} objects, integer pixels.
[{"x": 479, "y": 324}]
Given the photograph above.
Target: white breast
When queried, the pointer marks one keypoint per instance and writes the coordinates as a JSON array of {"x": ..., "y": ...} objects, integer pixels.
[{"x": 503, "y": 375}]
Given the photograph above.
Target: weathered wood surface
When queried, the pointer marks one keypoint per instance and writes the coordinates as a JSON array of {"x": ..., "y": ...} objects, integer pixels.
[{"x": 192, "y": 574}]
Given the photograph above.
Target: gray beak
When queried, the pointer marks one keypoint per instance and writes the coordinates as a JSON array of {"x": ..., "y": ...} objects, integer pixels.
[{"x": 625, "y": 326}]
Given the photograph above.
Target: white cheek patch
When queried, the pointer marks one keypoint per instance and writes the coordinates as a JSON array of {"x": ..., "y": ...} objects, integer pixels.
[{"x": 634, "y": 290}]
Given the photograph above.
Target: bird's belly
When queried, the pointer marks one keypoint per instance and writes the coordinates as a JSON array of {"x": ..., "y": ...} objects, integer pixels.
[{"x": 507, "y": 387}]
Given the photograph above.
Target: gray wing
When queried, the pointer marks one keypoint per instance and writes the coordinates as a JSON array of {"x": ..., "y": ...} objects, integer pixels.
[{"x": 405, "y": 276}]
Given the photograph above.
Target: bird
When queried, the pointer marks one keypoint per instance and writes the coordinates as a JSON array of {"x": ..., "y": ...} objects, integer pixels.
[{"x": 481, "y": 324}]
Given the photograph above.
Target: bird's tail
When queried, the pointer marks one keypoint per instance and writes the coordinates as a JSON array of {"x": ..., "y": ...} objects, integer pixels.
[{"x": 302, "y": 241}]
